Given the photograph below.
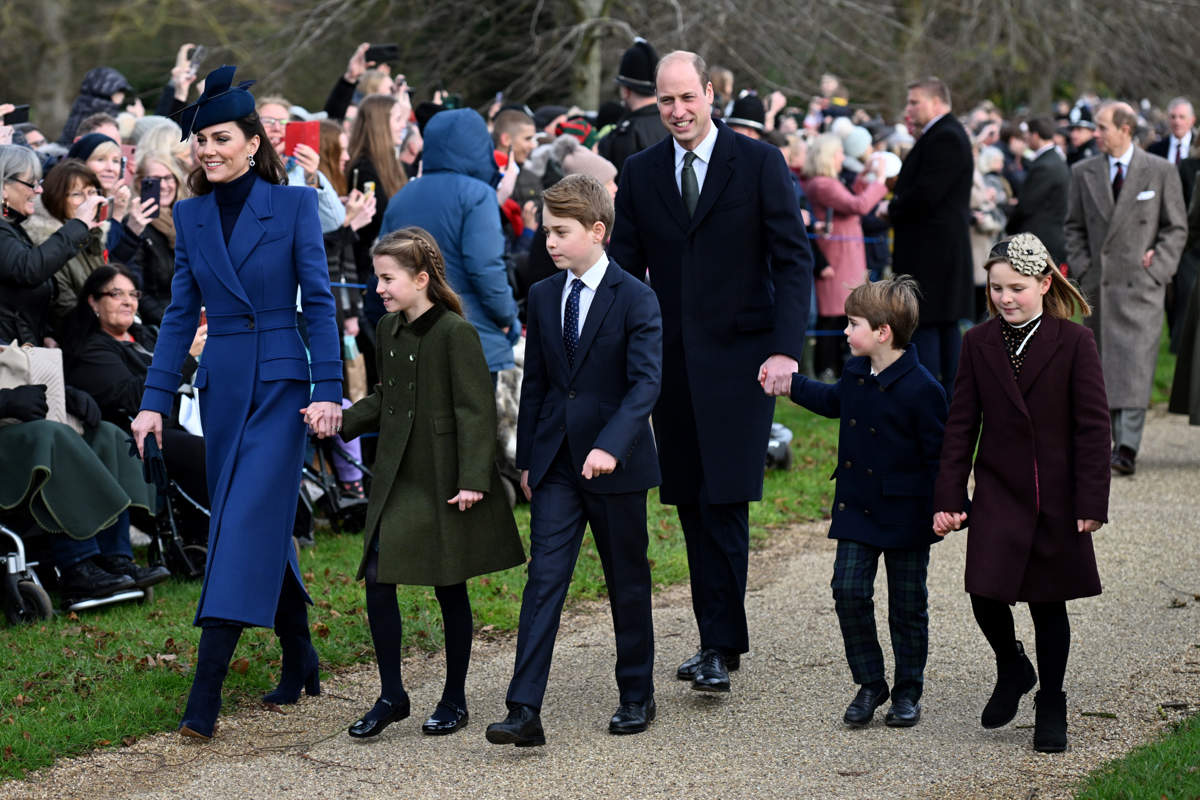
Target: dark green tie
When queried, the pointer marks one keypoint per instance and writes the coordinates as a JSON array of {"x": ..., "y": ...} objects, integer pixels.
[{"x": 688, "y": 184}]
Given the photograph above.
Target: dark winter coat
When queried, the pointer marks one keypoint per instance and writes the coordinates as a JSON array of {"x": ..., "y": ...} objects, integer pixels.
[
  {"x": 26, "y": 278},
  {"x": 95, "y": 96}
]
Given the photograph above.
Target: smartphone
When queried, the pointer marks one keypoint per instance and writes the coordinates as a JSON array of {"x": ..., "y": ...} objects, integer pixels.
[
  {"x": 368, "y": 188},
  {"x": 104, "y": 210},
  {"x": 151, "y": 190},
  {"x": 301, "y": 132},
  {"x": 18, "y": 115},
  {"x": 197, "y": 56},
  {"x": 203, "y": 316},
  {"x": 354, "y": 179},
  {"x": 498, "y": 99},
  {"x": 379, "y": 53}
]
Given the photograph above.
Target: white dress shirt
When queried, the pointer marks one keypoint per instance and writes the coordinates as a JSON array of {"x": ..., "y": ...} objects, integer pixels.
[
  {"x": 1123, "y": 160},
  {"x": 591, "y": 281},
  {"x": 703, "y": 153},
  {"x": 1183, "y": 145}
]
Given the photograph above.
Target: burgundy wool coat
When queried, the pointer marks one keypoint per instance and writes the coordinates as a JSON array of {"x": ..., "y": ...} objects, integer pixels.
[{"x": 1042, "y": 462}]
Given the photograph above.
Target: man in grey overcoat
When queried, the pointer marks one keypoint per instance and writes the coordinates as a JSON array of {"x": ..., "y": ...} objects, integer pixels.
[{"x": 1126, "y": 227}]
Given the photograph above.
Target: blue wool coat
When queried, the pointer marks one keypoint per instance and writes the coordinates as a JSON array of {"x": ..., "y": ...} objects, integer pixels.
[
  {"x": 888, "y": 448},
  {"x": 254, "y": 377},
  {"x": 454, "y": 200}
]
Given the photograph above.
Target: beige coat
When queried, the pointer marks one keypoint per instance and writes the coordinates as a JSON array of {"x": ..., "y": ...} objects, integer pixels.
[{"x": 1105, "y": 245}]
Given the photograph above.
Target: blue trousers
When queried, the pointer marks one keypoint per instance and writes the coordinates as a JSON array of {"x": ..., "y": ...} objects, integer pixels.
[
  {"x": 112, "y": 541},
  {"x": 938, "y": 347}
]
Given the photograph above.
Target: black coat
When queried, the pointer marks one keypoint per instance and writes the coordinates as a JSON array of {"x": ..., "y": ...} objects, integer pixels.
[
  {"x": 155, "y": 260},
  {"x": 636, "y": 131},
  {"x": 1042, "y": 206},
  {"x": 734, "y": 284},
  {"x": 95, "y": 96},
  {"x": 26, "y": 278},
  {"x": 931, "y": 215}
]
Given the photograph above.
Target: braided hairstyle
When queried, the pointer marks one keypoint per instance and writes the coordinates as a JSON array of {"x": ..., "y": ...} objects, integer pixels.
[{"x": 416, "y": 251}]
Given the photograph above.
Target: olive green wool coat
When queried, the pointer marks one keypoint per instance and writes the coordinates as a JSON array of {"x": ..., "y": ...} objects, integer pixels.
[{"x": 435, "y": 411}]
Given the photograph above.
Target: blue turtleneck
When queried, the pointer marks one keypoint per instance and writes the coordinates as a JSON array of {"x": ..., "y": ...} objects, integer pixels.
[{"x": 230, "y": 198}]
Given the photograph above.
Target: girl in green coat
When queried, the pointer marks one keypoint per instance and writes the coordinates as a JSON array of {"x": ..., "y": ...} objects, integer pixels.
[{"x": 437, "y": 513}]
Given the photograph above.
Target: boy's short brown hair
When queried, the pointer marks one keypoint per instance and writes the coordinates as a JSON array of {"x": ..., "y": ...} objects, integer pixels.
[
  {"x": 580, "y": 197},
  {"x": 891, "y": 302}
]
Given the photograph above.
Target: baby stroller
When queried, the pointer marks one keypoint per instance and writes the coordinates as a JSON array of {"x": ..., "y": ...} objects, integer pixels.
[{"x": 321, "y": 491}]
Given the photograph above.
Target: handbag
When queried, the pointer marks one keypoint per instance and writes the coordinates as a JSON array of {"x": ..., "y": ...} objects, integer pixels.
[{"x": 26, "y": 365}]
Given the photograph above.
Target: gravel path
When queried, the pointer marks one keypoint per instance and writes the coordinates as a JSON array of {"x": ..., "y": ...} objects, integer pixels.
[{"x": 780, "y": 735}]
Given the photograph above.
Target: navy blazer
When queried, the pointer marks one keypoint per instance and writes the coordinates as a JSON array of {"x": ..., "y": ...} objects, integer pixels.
[
  {"x": 606, "y": 399},
  {"x": 734, "y": 283},
  {"x": 888, "y": 448}
]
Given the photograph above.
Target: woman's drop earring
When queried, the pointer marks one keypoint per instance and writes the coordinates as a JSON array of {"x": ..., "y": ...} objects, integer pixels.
[{"x": 252, "y": 161}]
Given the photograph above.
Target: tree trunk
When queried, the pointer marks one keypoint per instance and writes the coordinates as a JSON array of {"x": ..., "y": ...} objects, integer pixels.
[{"x": 55, "y": 84}]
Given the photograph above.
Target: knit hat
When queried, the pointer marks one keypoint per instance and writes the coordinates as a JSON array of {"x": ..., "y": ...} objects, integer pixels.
[
  {"x": 546, "y": 114},
  {"x": 857, "y": 142},
  {"x": 748, "y": 112},
  {"x": 578, "y": 127},
  {"x": 637, "y": 68},
  {"x": 220, "y": 102},
  {"x": 575, "y": 158},
  {"x": 86, "y": 145}
]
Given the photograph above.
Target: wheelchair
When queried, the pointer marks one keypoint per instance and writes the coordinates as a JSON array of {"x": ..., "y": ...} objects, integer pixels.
[{"x": 25, "y": 599}]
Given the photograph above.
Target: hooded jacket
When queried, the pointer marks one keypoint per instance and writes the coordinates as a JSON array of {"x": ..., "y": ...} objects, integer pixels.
[
  {"x": 455, "y": 200},
  {"x": 95, "y": 96}
]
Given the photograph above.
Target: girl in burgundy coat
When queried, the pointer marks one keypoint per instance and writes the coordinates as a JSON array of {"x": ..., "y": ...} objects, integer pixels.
[{"x": 1041, "y": 474}]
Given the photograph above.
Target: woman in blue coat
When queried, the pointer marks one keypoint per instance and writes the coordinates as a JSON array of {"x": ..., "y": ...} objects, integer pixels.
[{"x": 244, "y": 245}]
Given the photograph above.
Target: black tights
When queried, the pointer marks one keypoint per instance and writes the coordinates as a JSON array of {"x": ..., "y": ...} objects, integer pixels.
[
  {"x": 1052, "y": 634},
  {"x": 383, "y": 613}
]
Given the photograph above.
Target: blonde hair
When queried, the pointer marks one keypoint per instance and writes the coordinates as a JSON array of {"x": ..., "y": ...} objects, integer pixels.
[
  {"x": 821, "y": 156},
  {"x": 144, "y": 157},
  {"x": 370, "y": 81},
  {"x": 416, "y": 251}
]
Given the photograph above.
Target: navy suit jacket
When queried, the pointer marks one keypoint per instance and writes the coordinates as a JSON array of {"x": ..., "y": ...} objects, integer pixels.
[
  {"x": 605, "y": 400},
  {"x": 734, "y": 283}
]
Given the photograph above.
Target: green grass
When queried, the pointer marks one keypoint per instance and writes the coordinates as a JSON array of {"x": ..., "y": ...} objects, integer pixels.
[
  {"x": 107, "y": 676},
  {"x": 1167, "y": 768}
]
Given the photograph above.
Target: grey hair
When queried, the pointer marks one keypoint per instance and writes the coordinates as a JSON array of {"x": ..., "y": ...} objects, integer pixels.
[
  {"x": 1180, "y": 101},
  {"x": 16, "y": 161},
  {"x": 989, "y": 156}
]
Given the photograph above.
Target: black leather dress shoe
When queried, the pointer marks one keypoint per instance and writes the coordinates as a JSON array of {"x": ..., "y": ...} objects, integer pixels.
[
  {"x": 142, "y": 577},
  {"x": 904, "y": 713},
  {"x": 712, "y": 675},
  {"x": 446, "y": 718},
  {"x": 862, "y": 707},
  {"x": 522, "y": 727},
  {"x": 383, "y": 714},
  {"x": 687, "y": 670},
  {"x": 1124, "y": 460},
  {"x": 633, "y": 717}
]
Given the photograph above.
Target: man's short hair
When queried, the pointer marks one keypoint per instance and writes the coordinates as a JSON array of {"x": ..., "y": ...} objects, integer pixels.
[
  {"x": 93, "y": 122},
  {"x": 934, "y": 87},
  {"x": 580, "y": 197},
  {"x": 696, "y": 61},
  {"x": 509, "y": 121},
  {"x": 1123, "y": 115},
  {"x": 1180, "y": 101},
  {"x": 1042, "y": 126},
  {"x": 891, "y": 302}
]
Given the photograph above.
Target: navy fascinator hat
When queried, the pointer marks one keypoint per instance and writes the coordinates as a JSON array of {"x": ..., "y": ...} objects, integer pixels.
[{"x": 220, "y": 102}]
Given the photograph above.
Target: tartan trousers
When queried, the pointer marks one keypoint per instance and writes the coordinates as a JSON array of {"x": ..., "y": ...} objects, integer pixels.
[{"x": 853, "y": 587}]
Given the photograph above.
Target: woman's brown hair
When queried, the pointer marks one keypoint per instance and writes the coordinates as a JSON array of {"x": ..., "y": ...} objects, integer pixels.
[
  {"x": 1061, "y": 300},
  {"x": 61, "y": 180},
  {"x": 416, "y": 251},
  {"x": 331, "y": 156},
  {"x": 371, "y": 138},
  {"x": 267, "y": 162}
]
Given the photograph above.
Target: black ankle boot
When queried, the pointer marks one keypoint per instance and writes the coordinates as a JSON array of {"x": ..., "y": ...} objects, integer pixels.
[
  {"x": 301, "y": 667},
  {"x": 1014, "y": 678},
  {"x": 1050, "y": 722},
  {"x": 217, "y": 643}
]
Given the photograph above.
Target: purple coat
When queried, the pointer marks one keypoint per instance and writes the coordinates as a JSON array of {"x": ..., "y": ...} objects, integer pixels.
[{"x": 1043, "y": 462}]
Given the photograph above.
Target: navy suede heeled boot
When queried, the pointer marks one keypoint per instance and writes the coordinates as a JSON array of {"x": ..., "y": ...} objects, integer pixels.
[
  {"x": 217, "y": 643},
  {"x": 301, "y": 669}
]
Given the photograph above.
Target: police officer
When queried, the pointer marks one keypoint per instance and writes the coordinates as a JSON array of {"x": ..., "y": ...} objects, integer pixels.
[
  {"x": 747, "y": 117},
  {"x": 641, "y": 125}
]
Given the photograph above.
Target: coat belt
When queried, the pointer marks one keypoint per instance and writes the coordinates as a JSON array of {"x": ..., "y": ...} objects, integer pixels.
[{"x": 252, "y": 321}]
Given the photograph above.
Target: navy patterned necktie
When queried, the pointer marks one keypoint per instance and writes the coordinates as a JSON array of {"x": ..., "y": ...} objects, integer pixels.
[{"x": 571, "y": 321}]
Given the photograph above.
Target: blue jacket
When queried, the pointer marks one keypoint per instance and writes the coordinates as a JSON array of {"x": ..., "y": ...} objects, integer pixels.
[
  {"x": 455, "y": 201},
  {"x": 605, "y": 400},
  {"x": 889, "y": 443}
]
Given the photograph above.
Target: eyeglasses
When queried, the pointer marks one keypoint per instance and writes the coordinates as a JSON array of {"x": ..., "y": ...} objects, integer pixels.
[
  {"x": 117, "y": 294},
  {"x": 274, "y": 122},
  {"x": 34, "y": 186},
  {"x": 83, "y": 195}
]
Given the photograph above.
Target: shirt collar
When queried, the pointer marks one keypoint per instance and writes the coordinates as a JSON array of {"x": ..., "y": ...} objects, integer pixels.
[
  {"x": 703, "y": 150},
  {"x": 1185, "y": 139},
  {"x": 1048, "y": 146},
  {"x": 931, "y": 123},
  {"x": 1124, "y": 158},
  {"x": 591, "y": 279}
]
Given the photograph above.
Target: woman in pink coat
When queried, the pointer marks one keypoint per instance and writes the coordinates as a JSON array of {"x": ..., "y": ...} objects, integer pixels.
[{"x": 840, "y": 209}]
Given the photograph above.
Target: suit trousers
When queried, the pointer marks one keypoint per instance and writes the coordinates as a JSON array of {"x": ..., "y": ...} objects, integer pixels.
[
  {"x": 908, "y": 619},
  {"x": 1127, "y": 427},
  {"x": 938, "y": 346},
  {"x": 561, "y": 508},
  {"x": 718, "y": 549}
]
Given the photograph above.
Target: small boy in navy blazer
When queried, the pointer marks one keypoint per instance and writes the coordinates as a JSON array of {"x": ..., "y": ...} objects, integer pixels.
[
  {"x": 593, "y": 362},
  {"x": 893, "y": 413}
]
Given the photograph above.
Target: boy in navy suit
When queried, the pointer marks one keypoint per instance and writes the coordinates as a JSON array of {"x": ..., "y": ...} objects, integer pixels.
[
  {"x": 593, "y": 360},
  {"x": 893, "y": 413}
]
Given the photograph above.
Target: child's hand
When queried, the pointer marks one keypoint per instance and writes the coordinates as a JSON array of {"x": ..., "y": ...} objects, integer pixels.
[
  {"x": 525, "y": 485},
  {"x": 465, "y": 499},
  {"x": 598, "y": 462},
  {"x": 1088, "y": 525},
  {"x": 946, "y": 521}
]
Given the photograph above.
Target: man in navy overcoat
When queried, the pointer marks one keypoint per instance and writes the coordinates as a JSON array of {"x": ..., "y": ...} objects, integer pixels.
[{"x": 713, "y": 217}]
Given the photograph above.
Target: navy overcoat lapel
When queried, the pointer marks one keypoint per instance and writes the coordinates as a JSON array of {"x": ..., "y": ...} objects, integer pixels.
[{"x": 212, "y": 249}]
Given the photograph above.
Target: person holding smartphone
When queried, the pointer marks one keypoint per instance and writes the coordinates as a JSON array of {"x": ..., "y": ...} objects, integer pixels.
[
  {"x": 159, "y": 177},
  {"x": 302, "y": 166}
]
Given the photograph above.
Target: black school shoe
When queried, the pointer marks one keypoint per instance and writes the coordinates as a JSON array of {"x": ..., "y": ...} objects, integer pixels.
[
  {"x": 687, "y": 670},
  {"x": 446, "y": 719},
  {"x": 862, "y": 708},
  {"x": 143, "y": 577},
  {"x": 522, "y": 727},
  {"x": 88, "y": 579},
  {"x": 904, "y": 713}
]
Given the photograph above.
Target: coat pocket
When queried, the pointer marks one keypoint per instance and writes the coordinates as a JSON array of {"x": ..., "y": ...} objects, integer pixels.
[
  {"x": 444, "y": 425},
  {"x": 283, "y": 369}
]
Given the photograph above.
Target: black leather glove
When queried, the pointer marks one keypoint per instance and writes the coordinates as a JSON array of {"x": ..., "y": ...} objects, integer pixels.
[
  {"x": 25, "y": 403},
  {"x": 81, "y": 405}
]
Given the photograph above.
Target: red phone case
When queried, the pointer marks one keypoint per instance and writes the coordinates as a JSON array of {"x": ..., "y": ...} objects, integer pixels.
[{"x": 295, "y": 133}]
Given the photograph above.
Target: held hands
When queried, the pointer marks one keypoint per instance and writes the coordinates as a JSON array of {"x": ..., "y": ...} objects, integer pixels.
[
  {"x": 946, "y": 521},
  {"x": 598, "y": 462},
  {"x": 465, "y": 499},
  {"x": 775, "y": 374},
  {"x": 323, "y": 419},
  {"x": 146, "y": 423},
  {"x": 1088, "y": 525}
]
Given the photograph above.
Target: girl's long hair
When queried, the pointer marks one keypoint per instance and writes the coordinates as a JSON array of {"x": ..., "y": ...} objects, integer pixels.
[
  {"x": 371, "y": 138},
  {"x": 416, "y": 251},
  {"x": 1062, "y": 300},
  {"x": 331, "y": 156},
  {"x": 267, "y": 162}
]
